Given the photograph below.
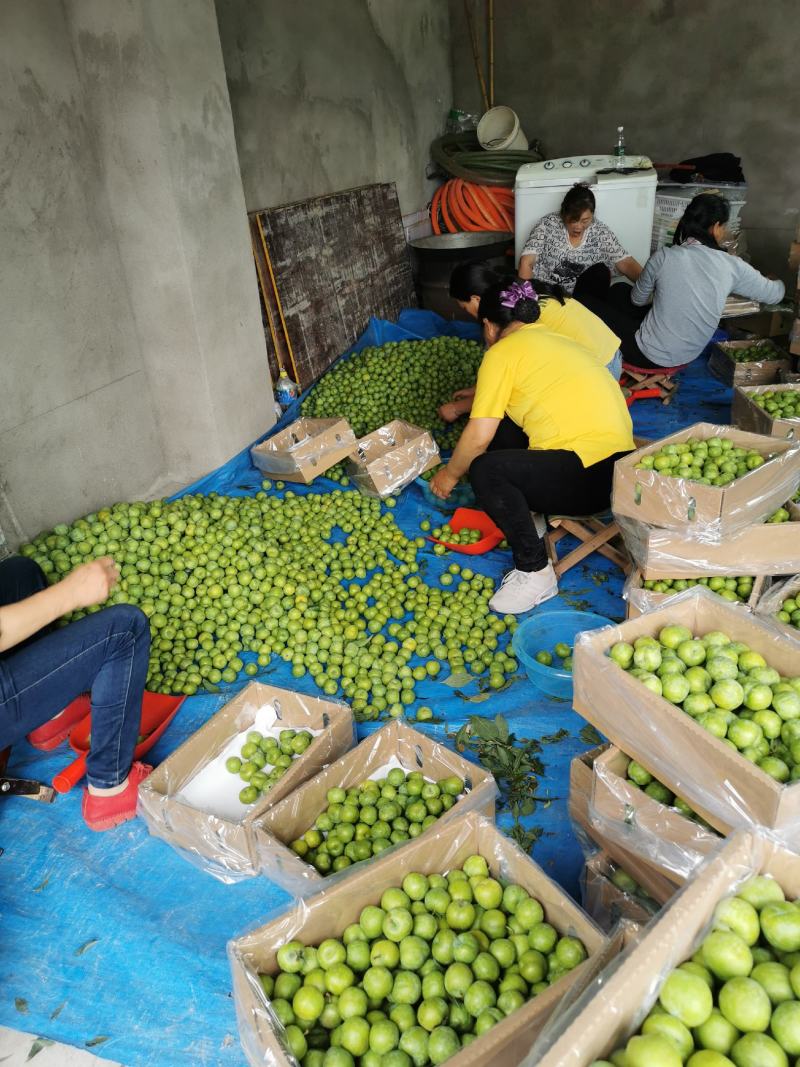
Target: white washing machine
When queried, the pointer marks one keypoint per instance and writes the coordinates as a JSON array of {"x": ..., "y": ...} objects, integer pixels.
[{"x": 625, "y": 196}]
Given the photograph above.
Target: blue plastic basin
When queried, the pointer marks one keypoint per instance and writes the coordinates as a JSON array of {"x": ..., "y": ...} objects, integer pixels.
[
  {"x": 541, "y": 633},
  {"x": 461, "y": 497}
]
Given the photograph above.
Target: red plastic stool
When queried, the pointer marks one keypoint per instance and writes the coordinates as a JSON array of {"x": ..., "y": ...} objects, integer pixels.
[{"x": 640, "y": 384}]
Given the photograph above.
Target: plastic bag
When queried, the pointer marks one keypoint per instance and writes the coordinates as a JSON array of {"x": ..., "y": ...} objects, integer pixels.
[
  {"x": 770, "y": 604},
  {"x": 305, "y": 449},
  {"x": 216, "y": 840},
  {"x": 390, "y": 458},
  {"x": 614, "y": 1006},
  {"x": 707, "y": 513},
  {"x": 641, "y": 599},
  {"x": 718, "y": 782},
  {"x": 459, "y": 121},
  {"x": 606, "y": 902},
  {"x": 329, "y": 912},
  {"x": 394, "y": 744}
]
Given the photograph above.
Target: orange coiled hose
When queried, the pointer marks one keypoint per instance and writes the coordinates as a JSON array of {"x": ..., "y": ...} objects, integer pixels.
[{"x": 459, "y": 206}]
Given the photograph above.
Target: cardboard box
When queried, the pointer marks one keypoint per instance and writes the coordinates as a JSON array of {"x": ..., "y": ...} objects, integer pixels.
[
  {"x": 767, "y": 548},
  {"x": 609, "y": 1012},
  {"x": 750, "y": 416},
  {"x": 638, "y": 599},
  {"x": 771, "y": 601},
  {"x": 766, "y": 370},
  {"x": 225, "y": 847},
  {"x": 605, "y": 902},
  {"x": 390, "y": 458},
  {"x": 719, "y": 784},
  {"x": 580, "y": 785},
  {"x": 707, "y": 511},
  {"x": 794, "y": 256},
  {"x": 771, "y": 322},
  {"x": 394, "y": 743},
  {"x": 659, "y": 836},
  {"x": 328, "y": 913},
  {"x": 794, "y": 338},
  {"x": 304, "y": 450}
]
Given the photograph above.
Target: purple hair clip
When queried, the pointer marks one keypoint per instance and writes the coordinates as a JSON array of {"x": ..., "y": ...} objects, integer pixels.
[{"x": 509, "y": 298}]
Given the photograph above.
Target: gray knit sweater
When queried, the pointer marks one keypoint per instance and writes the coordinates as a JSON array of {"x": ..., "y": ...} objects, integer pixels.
[{"x": 689, "y": 285}]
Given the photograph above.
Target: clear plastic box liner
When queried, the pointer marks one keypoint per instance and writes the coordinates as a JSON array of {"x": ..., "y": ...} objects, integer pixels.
[
  {"x": 192, "y": 802},
  {"x": 770, "y": 604},
  {"x": 391, "y": 457},
  {"x": 605, "y": 902},
  {"x": 653, "y": 832},
  {"x": 764, "y": 548},
  {"x": 333, "y": 907},
  {"x": 707, "y": 513},
  {"x": 394, "y": 745},
  {"x": 720, "y": 785},
  {"x": 642, "y": 600},
  {"x": 305, "y": 449},
  {"x": 613, "y": 1006}
]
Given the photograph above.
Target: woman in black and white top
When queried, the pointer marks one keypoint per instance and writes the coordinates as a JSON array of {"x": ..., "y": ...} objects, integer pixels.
[{"x": 563, "y": 247}]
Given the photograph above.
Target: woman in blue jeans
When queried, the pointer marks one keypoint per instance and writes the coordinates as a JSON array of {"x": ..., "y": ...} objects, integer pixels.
[{"x": 43, "y": 670}]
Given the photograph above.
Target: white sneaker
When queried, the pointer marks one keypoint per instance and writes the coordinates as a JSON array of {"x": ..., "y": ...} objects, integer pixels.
[{"x": 522, "y": 590}]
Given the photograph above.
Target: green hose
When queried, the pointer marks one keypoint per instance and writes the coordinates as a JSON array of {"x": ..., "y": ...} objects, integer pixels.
[{"x": 460, "y": 155}]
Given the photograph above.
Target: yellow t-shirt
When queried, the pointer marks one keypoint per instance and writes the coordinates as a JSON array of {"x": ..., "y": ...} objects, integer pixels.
[
  {"x": 557, "y": 392},
  {"x": 573, "y": 320}
]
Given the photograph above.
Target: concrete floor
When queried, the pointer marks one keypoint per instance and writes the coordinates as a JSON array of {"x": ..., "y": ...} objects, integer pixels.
[{"x": 16, "y": 1050}]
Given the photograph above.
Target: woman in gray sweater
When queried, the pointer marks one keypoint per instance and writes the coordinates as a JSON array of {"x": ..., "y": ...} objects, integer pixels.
[{"x": 688, "y": 285}]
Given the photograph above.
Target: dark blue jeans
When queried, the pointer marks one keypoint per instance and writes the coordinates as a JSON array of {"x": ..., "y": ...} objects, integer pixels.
[{"x": 105, "y": 653}]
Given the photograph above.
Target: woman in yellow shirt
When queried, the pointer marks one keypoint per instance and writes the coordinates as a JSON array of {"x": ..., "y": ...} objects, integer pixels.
[{"x": 575, "y": 419}]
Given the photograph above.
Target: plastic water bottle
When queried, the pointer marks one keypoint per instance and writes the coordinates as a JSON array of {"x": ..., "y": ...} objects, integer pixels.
[
  {"x": 619, "y": 147},
  {"x": 286, "y": 390}
]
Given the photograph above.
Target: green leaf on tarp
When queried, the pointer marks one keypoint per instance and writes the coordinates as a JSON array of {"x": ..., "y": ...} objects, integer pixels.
[
  {"x": 86, "y": 946},
  {"x": 37, "y": 1046},
  {"x": 59, "y": 1009},
  {"x": 502, "y": 727},
  {"x": 210, "y": 687},
  {"x": 21, "y": 1004},
  {"x": 486, "y": 729},
  {"x": 478, "y": 698},
  {"x": 548, "y": 739},
  {"x": 458, "y": 678},
  {"x": 590, "y": 736},
  {"x": 94, "y": 1041}
]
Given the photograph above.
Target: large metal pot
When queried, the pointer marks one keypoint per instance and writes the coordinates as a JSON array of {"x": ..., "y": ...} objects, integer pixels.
[{"x": 435, "y": 257}]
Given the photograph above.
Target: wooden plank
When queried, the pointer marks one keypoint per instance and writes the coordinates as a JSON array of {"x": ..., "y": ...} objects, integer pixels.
[{"x": 336, "y": 261}]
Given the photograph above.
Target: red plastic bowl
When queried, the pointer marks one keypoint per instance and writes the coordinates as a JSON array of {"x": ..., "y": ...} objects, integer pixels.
[{"x": 474, "y": 520}]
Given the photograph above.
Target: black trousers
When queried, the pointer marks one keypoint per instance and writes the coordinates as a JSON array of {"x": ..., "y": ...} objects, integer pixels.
[
  {"x": 612, "y": 304},
  {"x": 509, "y": 484}
]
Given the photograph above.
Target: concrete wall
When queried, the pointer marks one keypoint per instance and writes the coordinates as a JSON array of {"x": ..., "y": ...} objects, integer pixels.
[
  {"x": 684, "y": 79},
  {"x": 133, "y": 356},
  {"x": 335, "y": 94}
]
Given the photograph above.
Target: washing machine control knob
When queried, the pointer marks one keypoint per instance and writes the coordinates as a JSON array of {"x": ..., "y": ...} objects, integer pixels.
[
  {"x": 567, "y": 163},
  {"x": 585, "y": 163},
  {"x": 549, "y": 165}
]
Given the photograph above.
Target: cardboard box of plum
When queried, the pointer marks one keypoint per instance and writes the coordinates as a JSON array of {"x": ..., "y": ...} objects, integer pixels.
[
  {"x": 732, "y": 769},
  {"x": 610, "y": 894},
  {"x": 459, "y": 1020},
  {"x": 768, "y": 409},
  {"x": 748, "y": 362},
  {"x": 703, "y": 983},
  {"x": 300, "y": 841},
  {"x": 198, "y": 802}
]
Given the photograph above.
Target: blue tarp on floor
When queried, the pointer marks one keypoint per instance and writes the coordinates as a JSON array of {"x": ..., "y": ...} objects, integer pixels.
[{"x": 115, "y": 942}]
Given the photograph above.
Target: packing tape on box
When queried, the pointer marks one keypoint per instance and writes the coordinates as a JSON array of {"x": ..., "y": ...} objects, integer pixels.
[{"x": 607, "y": 1012}]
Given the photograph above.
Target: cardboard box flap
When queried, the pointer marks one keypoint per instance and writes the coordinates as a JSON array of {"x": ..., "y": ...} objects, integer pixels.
[
  {"x": 276, "y": 828},
  {"x": 391, "y": 457},
  {"x": 614, "y": 1007},
  {"x": 767, "y": 548},
  {"x": 305, "y": 449},
  {"x": 707, "y": 513},
  {"x": 224, "y": 846},
  {"x": 328, "y": 912},
  {"x": 720, "y": 784},
  {"x": 656, "y": 832}
]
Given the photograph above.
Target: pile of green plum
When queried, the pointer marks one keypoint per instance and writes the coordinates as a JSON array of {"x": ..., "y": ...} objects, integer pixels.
[
  {"x": 778, "y": 403},
  {"x": 642, "y": 779},
  {"x": 790, "y": 611},
  {"x": 257, "y": 752},
  {"x": 326, "y": 581},
  {"x": 464, "y": 536},
  {"x": 755, "y": 353},
  {"x": 734, "y": 589},
  {"x": 363, "y": 822},
  {"x": 711, "y": 461},
  {"x": 561, "y": 652},
  {"x": 736, "y": 1001},
  {"x": 727, "y": 688},
  {"x": 398, "y": 380},
  {"x": 431, "y": 966},
  {"x": 779, "y": 516}
]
